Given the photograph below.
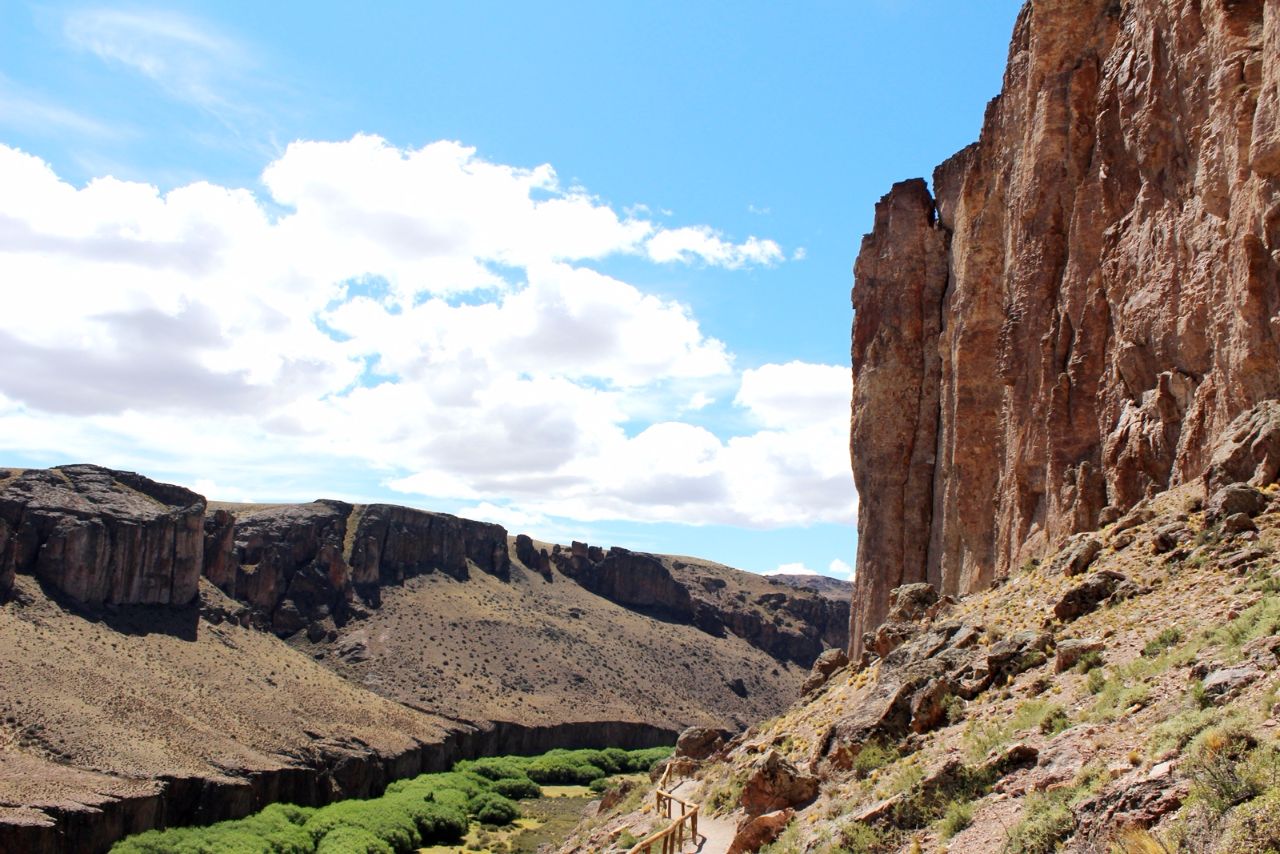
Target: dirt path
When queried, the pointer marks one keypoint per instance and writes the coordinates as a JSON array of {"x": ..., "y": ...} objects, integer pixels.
[{"x": 714, "y": 834}]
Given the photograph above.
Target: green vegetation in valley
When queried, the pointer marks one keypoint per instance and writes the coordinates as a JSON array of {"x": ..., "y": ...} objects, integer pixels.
[{"x": 429, "y": 809}]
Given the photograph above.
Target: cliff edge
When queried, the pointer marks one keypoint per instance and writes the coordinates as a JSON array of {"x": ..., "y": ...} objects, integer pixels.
[{"x": 1073, "y": 318}]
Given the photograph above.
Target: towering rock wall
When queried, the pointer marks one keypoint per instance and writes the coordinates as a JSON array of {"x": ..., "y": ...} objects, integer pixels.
[
  {"x": 1089, "y": 296},
  {"x": 101, "y": 536}
]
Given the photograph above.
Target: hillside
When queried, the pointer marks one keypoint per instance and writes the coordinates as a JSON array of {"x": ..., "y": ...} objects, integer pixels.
[
  {"x": 164, "y": 661},
  {"x": 1108, "y": 697}
]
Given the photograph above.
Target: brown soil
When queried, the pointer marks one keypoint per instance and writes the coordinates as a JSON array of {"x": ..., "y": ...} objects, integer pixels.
[
  {"x": 538, "y": 652},
  {"x": 96, "y": 705}
]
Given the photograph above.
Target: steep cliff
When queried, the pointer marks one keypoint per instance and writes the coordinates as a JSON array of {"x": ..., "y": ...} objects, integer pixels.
[
  {"x": 1073, "y": 318},
  {"x": 101, "y": 536}
]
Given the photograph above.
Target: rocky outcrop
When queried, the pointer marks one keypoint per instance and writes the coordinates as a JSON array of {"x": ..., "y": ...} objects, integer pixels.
[
  {"x": 393, "y": 543},
  {"x": 669, "y": 589},
  {"x": 101, "y": 536},
  {"x": 1076, "y": 314},
  {"x": 301, "y": 564}
]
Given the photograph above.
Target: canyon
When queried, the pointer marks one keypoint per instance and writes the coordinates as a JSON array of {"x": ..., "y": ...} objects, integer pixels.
[{"x": 169, "y": 660}]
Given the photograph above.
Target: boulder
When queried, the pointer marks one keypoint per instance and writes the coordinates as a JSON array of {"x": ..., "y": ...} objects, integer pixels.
[
  {"x": 1076, "y": 555},
  {"x": 699, "y": 742},
  {"x": 774, "y": 783},
  {"x": 1085, "y": 597},
  {"x": 1227, "y": 682},
  {"x": 889, "y": 636},
  {"x": 755, "y": 833},
  {"x": 929, "y": 704},
  {"x": 1166, "y": 538},
  {"x": 827, "y": 664},
  {"x": 1017, "y": 653},
  {"x": 911, "y": 601},
  {"x": 1071, "y": 650},
  {"x": 1232, "y": 499},
  {"x": 1237, "y": 523},
  {"x": 1249, "y": 450},
  {"x": 102, "y": 536}
]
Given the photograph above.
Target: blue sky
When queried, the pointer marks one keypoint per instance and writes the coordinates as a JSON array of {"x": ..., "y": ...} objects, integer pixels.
[{"x": 580, "y": 268}]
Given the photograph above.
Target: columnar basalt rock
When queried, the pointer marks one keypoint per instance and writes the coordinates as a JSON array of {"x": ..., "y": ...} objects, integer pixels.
[
  {"x": 102, "y": 536},
  {"x": 1072, "y": 319}
]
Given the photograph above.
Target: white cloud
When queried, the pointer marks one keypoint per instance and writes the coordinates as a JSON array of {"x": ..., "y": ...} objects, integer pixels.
[
  {"x": 700, "y": 243},
  {"x": 836, "y": 569},
  {"x": 796, "y": 394},
  {"x": 840, "y": 569},
  {"x": 424, "y": 314},
  {"x": 792, "y": 569}
]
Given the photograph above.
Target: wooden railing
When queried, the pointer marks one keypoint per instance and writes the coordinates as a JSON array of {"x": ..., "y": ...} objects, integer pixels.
[{"x": 673, "y": 835}]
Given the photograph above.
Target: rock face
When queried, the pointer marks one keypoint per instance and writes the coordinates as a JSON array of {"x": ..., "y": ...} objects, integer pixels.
[
  {"x": 669, "y": 588},
  {"x": 101, "y": 536},
  {"x": 1074, "y": 317},
  {"x": 297, "y": 564}
]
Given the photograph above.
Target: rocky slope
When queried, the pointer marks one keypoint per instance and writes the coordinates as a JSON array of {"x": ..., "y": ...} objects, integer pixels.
[
  {"x": 1119, "y": 698},
  {"x": 331, "y": 648},
  {"x": 1074, "y": 315}
]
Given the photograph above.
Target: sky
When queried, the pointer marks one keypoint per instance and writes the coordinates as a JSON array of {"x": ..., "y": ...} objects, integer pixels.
[{"x": 581, "y": 269}]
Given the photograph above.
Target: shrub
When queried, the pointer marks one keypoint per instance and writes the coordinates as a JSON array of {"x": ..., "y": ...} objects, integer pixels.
[
  {"x": 517, "y": 788},
  {"x": 858, "y": 838},
  {"x": 1255, "y": 826},
  {"x": 1089, "y": 662},
  {"x": 496, "y": 768},
  {"x": 1095, "y": 682},
  {"x": 958, "y": 816},
  {"x": 1046, "y": 821},
  {"x": 549, "y": 770},
  {"x": 352, "y": 840},
  {"x": 440, "y": 823},
  {"x": 492, "y": 808},
  {"x": 1167, "y": 639},
  {"x": 384, "y": 819},
  {"x": 600, "y": 786},
  {"x": 1220, "y": 775},
  {"x": 873, "y": 756}
]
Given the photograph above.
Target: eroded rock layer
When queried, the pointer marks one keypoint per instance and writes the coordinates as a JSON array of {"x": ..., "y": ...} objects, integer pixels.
[{"x": 1085, "y": 302}]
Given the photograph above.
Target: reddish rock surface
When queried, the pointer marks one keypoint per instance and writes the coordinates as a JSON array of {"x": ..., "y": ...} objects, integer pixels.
[
  {"x": 101, "y": 536},
  {"x": 1073, "y": 318}
]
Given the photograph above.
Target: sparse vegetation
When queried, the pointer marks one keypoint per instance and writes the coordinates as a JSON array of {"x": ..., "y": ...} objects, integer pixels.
[
  {"x": 1167, "y": 639},
  {"x": 958, "y": 816}
]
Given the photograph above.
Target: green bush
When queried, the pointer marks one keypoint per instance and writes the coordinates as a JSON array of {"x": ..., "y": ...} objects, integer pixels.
[
  {"x": 858, "y": 838},
  {"x": 958, "y": 816},
  {"x": 874, "y": 755},
  {"x": 1167, "y": 639},
  {"x": 492, "y": 808},
  {"x": 1255, "y": 826},
  {"x": 382, "y": 817},
  {"x": 430, "y": 808},
  {"x": 517, "y": 788},
  {"x": 352, "y": 840},
  {"x": 496, "y": 768},
  {"x": 1046, "y": 821},
  {"x": 554, "y": 771},
  {"x": 274, "y": 830}
]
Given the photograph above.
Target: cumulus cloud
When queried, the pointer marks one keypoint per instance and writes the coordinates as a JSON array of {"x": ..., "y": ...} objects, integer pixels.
[{"x": 421, "y": 313}]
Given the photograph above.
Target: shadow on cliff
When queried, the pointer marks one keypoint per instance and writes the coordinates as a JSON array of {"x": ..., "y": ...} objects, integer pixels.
[{"x": 181, "y": 622}]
